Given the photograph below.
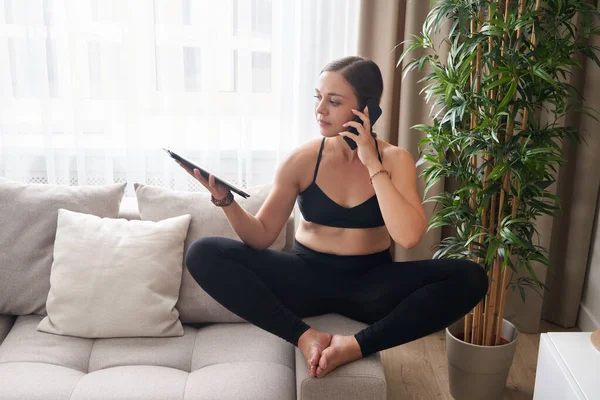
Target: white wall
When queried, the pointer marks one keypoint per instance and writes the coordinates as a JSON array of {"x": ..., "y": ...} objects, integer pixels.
[{"x": 589, "y": 309}]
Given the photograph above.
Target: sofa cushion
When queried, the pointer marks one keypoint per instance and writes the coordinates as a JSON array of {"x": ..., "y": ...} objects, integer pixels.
[
  {"x": 115, "y": 278},
  {"x": 6, "y": 323},
  {"x": 129, "y": 208},
  {"x": 28, "y": 214},
  {"x": 214, "y": 361},
  {"x": 156, "y": 203}
]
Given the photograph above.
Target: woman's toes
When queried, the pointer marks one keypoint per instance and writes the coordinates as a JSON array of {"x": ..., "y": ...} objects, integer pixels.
[
  {"x": 314, "y": 360},
  {"x": 315, "y": 357},
  {"x": 319, "y": 372},
  {"x": 323, "y": 359},
  {"x": 313, "y": 351}
]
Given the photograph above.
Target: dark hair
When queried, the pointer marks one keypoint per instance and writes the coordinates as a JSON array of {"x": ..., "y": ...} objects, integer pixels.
[{"x": 362, "y": 74}]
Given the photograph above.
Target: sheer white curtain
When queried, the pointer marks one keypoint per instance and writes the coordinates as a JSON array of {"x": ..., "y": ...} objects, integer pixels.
[{"x": 91, "y": 90}]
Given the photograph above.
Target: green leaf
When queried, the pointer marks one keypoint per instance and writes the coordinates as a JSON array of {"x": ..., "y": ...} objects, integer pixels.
[
  {"x": 509, "y": 95},
  {"x": 531, "y": 271},
  {"x": 498, "y": 82},
  {"x": 421, "y": 127},
  {"x": 498, "y": 171},
  {"x": 490, "y": 30},
  {"x": 437, "y": 225},
  {"x": 522, "y": 292},
  {"x": 513, "y": 239},
  {"x": 540, "y": 73}
]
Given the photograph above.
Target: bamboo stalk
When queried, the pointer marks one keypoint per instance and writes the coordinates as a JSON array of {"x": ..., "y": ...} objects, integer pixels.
[
  {"x": 497, "y": 324},
  {"x": 490, "y": 310},
  {"x": 503, "y": 285},
  {"x": 473, "y": 161},
  {"x": 504, "y": 288},
  {"x": 498, "y": 294},
  {"x": 467, "y": 336},
  {"x": 515, "y": 200},
  {"x": 475, "y": 322},
  {"x": 478, "y": 322},
  {"x": 468, "y": 323},
  {"x": 488, "y": 296}
]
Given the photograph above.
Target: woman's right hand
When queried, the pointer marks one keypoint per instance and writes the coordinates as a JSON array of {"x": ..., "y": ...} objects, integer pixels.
[{"x": 218, "y": 191}]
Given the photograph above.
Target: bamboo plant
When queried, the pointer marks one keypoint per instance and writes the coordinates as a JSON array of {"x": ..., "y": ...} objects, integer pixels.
[{"x": 499, "y": 101}]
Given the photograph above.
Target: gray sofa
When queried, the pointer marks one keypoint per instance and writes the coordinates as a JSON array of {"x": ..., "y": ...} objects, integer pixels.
[{"x": 210, "y": 361}]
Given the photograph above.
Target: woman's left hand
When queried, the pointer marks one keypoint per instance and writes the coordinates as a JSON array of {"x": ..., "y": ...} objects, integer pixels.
[{"x": 367, "y": 153}]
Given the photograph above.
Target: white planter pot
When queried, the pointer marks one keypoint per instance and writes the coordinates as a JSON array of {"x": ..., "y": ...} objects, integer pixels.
[{"x": 479, "y": 372}]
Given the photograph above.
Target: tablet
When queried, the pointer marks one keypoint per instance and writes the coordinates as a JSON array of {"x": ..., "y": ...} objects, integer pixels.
[{"x": 205, "y": 173}]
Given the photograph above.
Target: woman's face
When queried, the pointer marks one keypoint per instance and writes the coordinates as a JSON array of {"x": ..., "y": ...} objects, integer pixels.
[{"x": 334, "y": 101}]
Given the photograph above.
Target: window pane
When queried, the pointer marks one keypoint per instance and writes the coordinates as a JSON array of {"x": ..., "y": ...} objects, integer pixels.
[
  {"x": 52, "y": 68},
  {"x": 191, "y": 69},
  {"x": 227, "y": 70},
  {"x": 235, "y": 17},
  {"x": 261, "y": 72},
  {"x": 94, "y": 66},
  {"x": 186, "y": 12},
  {"x": 261, "y": 18}
]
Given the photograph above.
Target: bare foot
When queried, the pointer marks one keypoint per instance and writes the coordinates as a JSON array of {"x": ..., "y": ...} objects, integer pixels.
[
  {"x": 342, "y": 350},
  {"x": 312, "y": 343}
]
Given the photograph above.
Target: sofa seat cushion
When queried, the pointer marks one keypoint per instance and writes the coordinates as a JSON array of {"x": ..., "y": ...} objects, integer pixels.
[{"x": 211, "y": 361}]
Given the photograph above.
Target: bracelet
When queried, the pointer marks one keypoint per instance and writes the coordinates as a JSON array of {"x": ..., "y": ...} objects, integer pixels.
[
  {"x": 223, "y": 202},
  {"x": 382, "y": 170}
]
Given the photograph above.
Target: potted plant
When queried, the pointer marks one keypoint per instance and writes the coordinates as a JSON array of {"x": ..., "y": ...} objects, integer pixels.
[{"x": 499, "y": 97}]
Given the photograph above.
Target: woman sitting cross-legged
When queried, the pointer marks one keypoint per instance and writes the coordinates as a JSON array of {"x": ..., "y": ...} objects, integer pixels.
[{"x": 352, "y": 202}]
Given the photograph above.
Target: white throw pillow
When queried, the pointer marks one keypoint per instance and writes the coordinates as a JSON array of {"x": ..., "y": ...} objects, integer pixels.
[{"x": 114, "y": 277}]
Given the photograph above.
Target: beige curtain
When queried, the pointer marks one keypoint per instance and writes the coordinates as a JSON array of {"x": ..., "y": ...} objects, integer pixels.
[{"x": 386, "y": 23}]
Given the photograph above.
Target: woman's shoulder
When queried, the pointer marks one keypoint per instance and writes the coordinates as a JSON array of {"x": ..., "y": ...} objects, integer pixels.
[
  {"x": 398, "y": 160},
  {"x": 300, "y": 157},
  {"x": 295, "y": 166},
  {"x": 306, "y": 152},
  {"x": 385, "y": 148},
  {"x": 392, "y": 154},
  {"x": 383, "y": 145}
]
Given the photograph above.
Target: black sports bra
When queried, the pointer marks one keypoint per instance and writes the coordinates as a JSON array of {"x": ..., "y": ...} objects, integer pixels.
[{"x": 317, "y": 207}]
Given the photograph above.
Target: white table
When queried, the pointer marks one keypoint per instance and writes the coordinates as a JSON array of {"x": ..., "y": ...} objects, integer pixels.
[{"x": 568, "y": 367}]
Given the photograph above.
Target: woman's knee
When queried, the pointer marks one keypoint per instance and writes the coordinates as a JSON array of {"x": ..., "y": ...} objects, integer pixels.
[
  {"x": 202, "y": 252},
  {"x": 474, "y": 277}
]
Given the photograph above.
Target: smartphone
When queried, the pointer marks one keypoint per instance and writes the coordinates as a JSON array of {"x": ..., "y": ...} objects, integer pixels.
[{"x": 374, "y": 114}]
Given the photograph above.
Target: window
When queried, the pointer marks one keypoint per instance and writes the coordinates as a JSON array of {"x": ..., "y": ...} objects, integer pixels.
[{"x": 93, "y": 89}]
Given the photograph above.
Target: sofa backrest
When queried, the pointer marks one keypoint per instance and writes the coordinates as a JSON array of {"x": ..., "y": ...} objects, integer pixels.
[{"x": 129, "y": 210}]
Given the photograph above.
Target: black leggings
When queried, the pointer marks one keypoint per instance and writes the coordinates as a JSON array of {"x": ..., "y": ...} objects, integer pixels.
[{"x": 401, "y": 301}]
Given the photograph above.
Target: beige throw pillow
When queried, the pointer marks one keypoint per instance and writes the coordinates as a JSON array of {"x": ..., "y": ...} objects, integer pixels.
[
  {"x": 114, "y": 277},
  {"x": 28, "y": 215},
  {"x": 156, "y": 203}
]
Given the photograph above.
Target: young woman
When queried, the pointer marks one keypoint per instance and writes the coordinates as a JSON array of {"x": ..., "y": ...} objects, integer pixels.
[{"x": 351, "y": 201}]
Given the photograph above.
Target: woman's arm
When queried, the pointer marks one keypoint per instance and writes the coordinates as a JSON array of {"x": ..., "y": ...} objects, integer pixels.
[
  {"x": 261, "y": 231},
  {"x": 398, "y": 199},
  {"x": 250, "y": 230}
]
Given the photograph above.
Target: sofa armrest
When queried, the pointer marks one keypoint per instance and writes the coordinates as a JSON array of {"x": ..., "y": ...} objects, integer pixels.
[
  {"x": 6, "y": 323},
  {"x": 358, "y": 380}
]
